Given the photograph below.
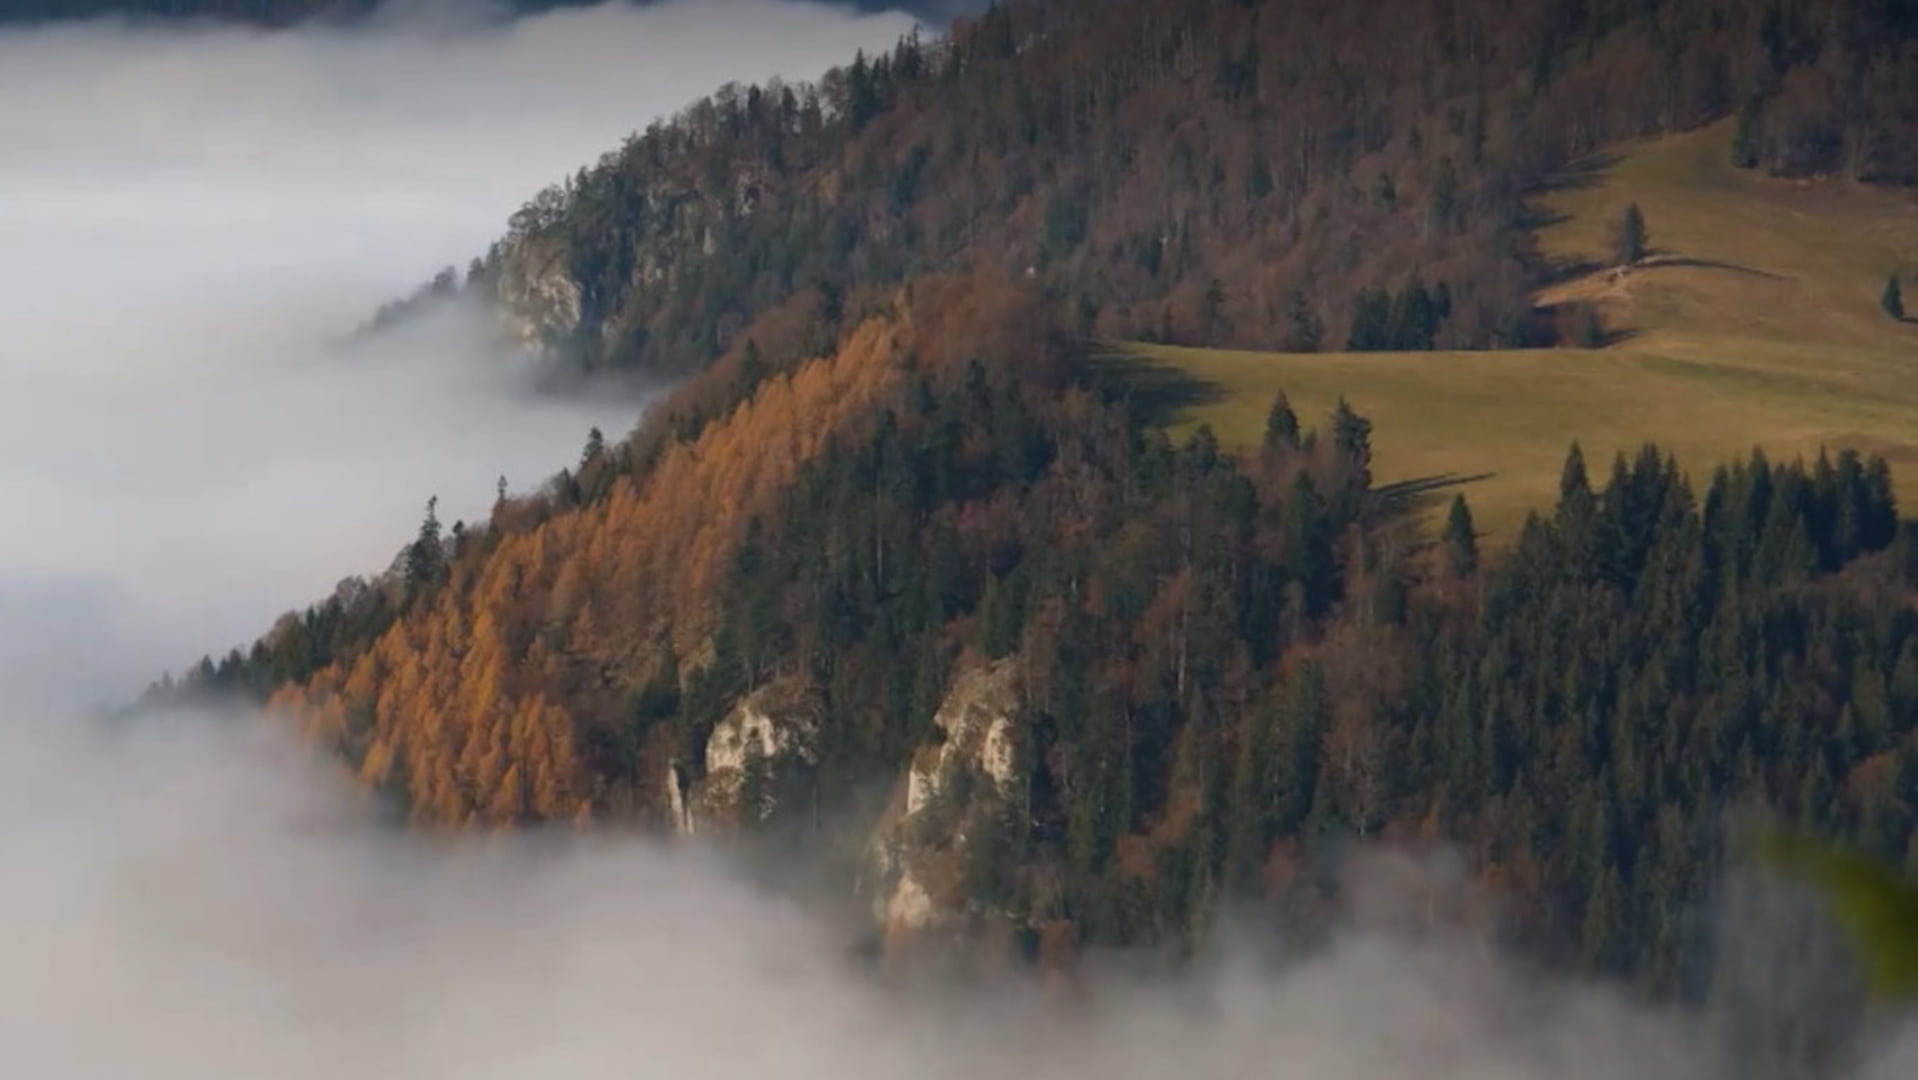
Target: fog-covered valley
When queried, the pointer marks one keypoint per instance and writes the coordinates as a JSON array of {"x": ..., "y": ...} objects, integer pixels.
[
  {"x": 191, "y": 218},
  {"x": 189, "y": 221}
]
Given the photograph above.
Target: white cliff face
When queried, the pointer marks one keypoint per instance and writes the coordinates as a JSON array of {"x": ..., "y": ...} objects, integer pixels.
[
  {"x": 965, "y": 781},
  {"x": 977, "y": 720},
  {"x": 774, "y": 728},
  {"x": 682, "y": 227},
  {"x": 539, "y": 302},
  {"x": 909, "y": 908}
]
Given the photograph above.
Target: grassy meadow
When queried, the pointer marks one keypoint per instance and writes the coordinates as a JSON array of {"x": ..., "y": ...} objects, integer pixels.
[{"x": 1755, "y": 322}]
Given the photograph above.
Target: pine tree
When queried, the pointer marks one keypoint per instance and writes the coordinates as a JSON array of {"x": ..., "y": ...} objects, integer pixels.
[
  {"x": 1352, "y": 436},
  {"x": 1444, "y": 195},
  {"x": 1371, "y": 322},
  {"x": 425, "y": 558},
  {"x": 752, "y": 366},
  {"x": 1893, "y": 299},
  {"x": 1213, "y": 315},
  {"x": 1414, "y": 320},
  {"x": 1281, "y": 425},
  {"x": 1308, "y": 545},
  {"x": 1629, "y": 238},
  {"x": 1304, "y": 331},
  {"x": 1460, "y": 539},
  {"x": 1745, "y": 136}
]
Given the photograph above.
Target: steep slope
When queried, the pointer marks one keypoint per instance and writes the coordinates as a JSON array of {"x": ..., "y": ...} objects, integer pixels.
[{"x": 1755, "y": 321}]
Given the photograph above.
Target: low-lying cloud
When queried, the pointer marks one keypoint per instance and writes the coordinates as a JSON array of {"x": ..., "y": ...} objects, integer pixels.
[
  {"x": 186, "y": 219},
  {"x": 187, "y": 216},
  {"x": 197, "y": 898}
]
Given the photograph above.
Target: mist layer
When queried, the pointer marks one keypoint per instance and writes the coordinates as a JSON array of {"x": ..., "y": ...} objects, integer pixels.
[{"x": 188, "y": 216}]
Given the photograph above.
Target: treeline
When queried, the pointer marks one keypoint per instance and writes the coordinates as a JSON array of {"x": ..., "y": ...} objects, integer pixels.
[
  {"x": 1196, "y": 173},
  {"x": 1644, "y": 659},
  {"x": 287, "y": 12}
]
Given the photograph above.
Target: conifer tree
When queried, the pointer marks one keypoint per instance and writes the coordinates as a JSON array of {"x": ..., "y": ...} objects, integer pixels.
[
  {"x": 1281, "y": 425},
  {"x": 1352, "y": 435},
  {"x": 1745, "y": 136},
  {"x": 1304, "y": 331},
  {"x": 425, "y": 558},
  {"x": 1629, "y": 237},
  {"x": 1460, "y": 539}
]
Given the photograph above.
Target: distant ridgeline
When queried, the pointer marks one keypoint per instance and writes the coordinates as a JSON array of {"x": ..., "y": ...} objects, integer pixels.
[
  {"x": 1189, "y": 171},
  {"x": 261, "y": 12},
  {"x": 897, "y": 558},
  {"x": 287, "y": 12}
]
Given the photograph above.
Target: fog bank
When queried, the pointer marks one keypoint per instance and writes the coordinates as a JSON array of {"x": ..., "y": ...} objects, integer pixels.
[
  {"x": 197, "y": 898},
  {"x": 188, "y": 215},
  {"x": 186, "y": 218}
]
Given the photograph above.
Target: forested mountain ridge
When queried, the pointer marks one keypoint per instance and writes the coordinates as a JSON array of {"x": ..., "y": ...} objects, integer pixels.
[
  {"x": 281, "y": 13},
  {"x": 896, "y": 555},
  {"x": 1212, "y": 172},
  {"x": 1202, "y": 666}
]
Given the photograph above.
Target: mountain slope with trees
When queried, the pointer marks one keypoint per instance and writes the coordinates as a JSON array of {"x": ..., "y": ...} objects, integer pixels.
[
  {"x": 897, "y": 561},
  {"x": 1224, "y": 663},
  {"x": 1215, "y": 172}
]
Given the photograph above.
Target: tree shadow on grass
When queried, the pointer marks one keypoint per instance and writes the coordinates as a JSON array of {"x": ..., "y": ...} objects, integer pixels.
[
  {"x": 1581, "y": 175},
  {"x": 1656, "y": 260},
  {"x": 1159, "y": 392},
  {"x": 1410, "y": 499}
]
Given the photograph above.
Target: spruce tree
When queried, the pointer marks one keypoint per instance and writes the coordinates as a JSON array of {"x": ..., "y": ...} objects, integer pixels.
[
  {"x": 1460, "y": 539},
  {"x": 425, "y": 558},
  {"x": 1629, "y": 238},
  {"x": 1304, "y": 332},
  {"x": 1745, "y": 136},
  {"x": 1893, "y": 300},
  {"x": 1281, "y": 425},
  {"x": 1352, "y": 435}
]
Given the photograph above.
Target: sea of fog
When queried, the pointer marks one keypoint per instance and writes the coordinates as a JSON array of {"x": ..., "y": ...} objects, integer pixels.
[{"x": 187, "y": 218}]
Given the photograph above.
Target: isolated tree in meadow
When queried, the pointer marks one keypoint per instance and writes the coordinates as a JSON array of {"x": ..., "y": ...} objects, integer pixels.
[
  {"x": 1629, "y": 237},
  {"x": 1894, "y": 298},
  {"x": 1461, "y": 538}
]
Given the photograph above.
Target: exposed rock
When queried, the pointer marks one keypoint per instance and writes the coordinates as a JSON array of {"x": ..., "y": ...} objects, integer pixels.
[
  {"x": 766, "y": 737},
  {"x": 539, "y": 301},
  {"x": 962, "y": 792}
]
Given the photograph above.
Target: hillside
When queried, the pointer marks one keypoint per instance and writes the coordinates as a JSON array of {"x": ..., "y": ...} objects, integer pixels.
[
  {"x": 1755, "y": 321},
  {"x": 897, "y": 581},
  {"x": 1206, "y": 173}
]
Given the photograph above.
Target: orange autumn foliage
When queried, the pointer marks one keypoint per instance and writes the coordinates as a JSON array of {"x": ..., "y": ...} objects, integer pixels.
[{"x": 474, "y": 702}]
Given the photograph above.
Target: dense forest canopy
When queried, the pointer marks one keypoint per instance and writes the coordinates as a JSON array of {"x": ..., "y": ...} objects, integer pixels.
[
  {"x": 894, "y": 485},
  {"x": 1212, "y": 171}
]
